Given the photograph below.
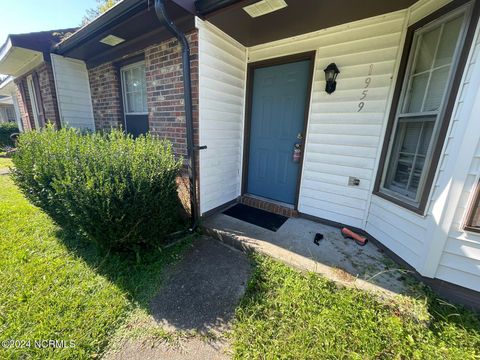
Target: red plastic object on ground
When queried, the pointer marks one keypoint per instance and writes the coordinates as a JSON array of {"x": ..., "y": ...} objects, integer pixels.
[{"x": 349, "y": 234}]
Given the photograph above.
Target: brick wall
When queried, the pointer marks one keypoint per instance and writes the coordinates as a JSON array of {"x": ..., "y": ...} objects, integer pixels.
[
  {"x": 24, "y": 105},
  {"x": 105, "y": 89},
  {"x": 165, "y": 101},
  {"x": 48, "y": 94},
  {"x": 165, "y": 90},
  {"x": 164, "y": 82}
]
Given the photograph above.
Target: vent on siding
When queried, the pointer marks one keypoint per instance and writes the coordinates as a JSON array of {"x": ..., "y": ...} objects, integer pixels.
[{"x": 264, "y": 7}]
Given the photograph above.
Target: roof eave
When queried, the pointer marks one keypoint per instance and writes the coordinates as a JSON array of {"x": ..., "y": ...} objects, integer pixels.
[
  {"x": 16, "y": 61},
  {"x": 7, "y": 86},
  {"x": 113, "y": 16},
  {"x": 206, "y": 7}
]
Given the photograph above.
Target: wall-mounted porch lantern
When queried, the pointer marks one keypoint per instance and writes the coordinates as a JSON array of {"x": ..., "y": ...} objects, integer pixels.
[{"x": 331, "y": 73}]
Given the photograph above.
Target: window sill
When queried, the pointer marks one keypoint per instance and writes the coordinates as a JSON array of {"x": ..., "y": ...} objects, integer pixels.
[
  {"x": 417, "y": 210},
  {"x": 472, "y": 229}
]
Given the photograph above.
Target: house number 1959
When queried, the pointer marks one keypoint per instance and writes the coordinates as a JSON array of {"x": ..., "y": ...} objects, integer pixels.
[{"x": 368, "y": 80}]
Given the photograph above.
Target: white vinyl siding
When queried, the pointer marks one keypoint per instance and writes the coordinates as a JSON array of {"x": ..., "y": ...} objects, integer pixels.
[
  {"x": 413, "y": 230},
  {"x": 400, "y": 230},
  {"x": 460, "y": 259},
  {"x": 342, "y": 141},
  {"x": 222, "y": 72},
  {"x": 73, "y": 92}
]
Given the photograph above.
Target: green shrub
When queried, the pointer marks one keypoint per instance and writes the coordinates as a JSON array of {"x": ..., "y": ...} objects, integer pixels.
[
  {"x": 7, "y": 129},
  {"x": 119, "y": 191}
]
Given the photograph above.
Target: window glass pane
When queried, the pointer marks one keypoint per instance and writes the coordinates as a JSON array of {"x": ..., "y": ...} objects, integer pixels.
[
  {"x": 426, "y": 45},
  {"x": 416, "y": 174},
  {"x": 136, "y": 79},
  {"x": 407, "y": 159},
  {"x": 135, "y": 89},
  {"x": 427, "y": 132},
  {"x": 411, "y": 134},
  {"x": 11, "y": 113},
  {"x": 426, "y": 83},
  {"x": 448, "y": 41},
  {"x": 416, "y": 93},
  {"x": 130, "y": 103},
  {"x": 128, "y": 80},
  {"x": 436, "y": 89},
  {"x": 138, "y": 102},
  {"x": 473, "y": 220},
  {"x": 476, "y": 217},
  {"x": 402, "y": 172}
]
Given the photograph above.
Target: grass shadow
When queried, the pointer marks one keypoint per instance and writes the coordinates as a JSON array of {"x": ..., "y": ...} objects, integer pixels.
[
  {"x": 446, "y": 314},
  {"x": 139, "y": 275},
  {"x": 287, "y": 313}
]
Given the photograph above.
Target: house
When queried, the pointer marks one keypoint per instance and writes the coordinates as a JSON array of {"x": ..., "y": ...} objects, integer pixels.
[
  {"x": 346, "y": 112},
  {"x": 9, "y": 111},
  {"x": 26, "y": 59}
]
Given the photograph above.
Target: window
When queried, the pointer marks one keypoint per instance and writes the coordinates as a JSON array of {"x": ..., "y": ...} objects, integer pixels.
[
  {"x": 473, "y": 218},
  {"x": 11, "y": 114},
  {"x": 419, "y": 114},
  {"x": 134, "y": 88},
  {"x": 33, "y": 101}
]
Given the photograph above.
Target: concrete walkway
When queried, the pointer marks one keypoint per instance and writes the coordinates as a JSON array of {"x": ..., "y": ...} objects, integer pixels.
[
  {"x": 339, "y": 259},
  {"x": 198, "y": 297},
  {"x": 201, "y": 293}
]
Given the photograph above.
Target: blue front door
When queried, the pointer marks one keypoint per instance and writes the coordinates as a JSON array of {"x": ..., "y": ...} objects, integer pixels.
[{"x": 277, "y": 124}]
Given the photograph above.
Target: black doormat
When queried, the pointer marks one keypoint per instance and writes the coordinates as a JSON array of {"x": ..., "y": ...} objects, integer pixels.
[{"x": 257, "y": 217}]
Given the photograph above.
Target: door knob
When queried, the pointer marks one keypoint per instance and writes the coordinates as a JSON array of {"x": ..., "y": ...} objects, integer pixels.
[{"x": 299, "y": 136}]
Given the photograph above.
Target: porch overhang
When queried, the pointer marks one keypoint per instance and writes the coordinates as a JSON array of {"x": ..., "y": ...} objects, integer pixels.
[
  {"x": 298, "y": 17},
  {"x": 7, "y": 87},
  {"x": 17, "y": 61},
  {"x": 23, "y": 52},
  {"x": 134, "y": 22},
  {"x": 6, "y": 100}
]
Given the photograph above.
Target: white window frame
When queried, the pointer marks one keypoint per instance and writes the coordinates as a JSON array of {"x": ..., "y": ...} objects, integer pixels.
[
  {"x": 10, "y": 112},
  {"x": 472, "y": 208},
  {"x": 17, "y": 112},
  {"x": 33, "y": 101},
  {"x": 407, "y": 80},
  {"x": 124, "y": 69}
]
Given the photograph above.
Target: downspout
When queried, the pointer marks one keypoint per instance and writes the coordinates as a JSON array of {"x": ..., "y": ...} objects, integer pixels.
[{"x": 162, "y": 15}]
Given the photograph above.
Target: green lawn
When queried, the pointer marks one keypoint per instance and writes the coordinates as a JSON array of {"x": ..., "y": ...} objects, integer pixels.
[
  {"x": 291, "y": 315},
  {"x": 55, "y": 286},
  {"x": 4, "y": 161}
]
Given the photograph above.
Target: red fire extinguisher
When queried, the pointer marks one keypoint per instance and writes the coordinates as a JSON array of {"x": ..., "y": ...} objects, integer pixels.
[{"x": 297, "y": 153}]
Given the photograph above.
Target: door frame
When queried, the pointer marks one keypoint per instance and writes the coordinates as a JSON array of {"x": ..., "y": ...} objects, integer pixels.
[
  {"x": 251, "y": 67},
  {"x": 123, "y": 91},
  {"x": 118, "y": 66}
]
